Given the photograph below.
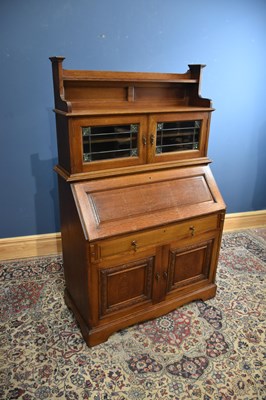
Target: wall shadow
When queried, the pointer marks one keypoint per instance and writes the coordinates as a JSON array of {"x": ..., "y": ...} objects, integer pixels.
[{"x": 46, "y": 195}]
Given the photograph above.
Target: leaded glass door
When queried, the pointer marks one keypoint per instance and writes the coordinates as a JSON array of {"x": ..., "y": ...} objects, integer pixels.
[
  {"x": 110, "y": 142},
  {"x": 177, "y": 136}
]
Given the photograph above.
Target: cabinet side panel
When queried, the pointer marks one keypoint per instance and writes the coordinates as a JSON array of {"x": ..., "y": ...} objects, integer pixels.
[
  {"x": 74, "y": 247},
  {"x": 63, "y": 142}
]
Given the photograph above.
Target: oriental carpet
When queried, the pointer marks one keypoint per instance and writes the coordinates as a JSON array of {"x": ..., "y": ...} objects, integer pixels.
[{"x": 209, "y": 350}]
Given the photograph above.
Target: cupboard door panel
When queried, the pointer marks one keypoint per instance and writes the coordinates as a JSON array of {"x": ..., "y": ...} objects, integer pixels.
[
  {"x": 190, "y": 264},
  {"x": 125, "y": 285},
  {"x": 110, "y": 142},
  {"x": 177, "y": 136}
]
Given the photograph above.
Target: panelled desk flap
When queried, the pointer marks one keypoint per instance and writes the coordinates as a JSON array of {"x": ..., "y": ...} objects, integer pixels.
[{"x": 114, "y": 206}]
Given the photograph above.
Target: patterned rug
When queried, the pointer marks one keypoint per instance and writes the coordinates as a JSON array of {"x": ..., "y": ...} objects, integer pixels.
[{"x": 205, "y": 350}]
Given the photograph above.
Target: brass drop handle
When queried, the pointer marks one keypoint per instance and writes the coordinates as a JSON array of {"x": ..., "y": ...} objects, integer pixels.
[
  {"x": 144, "y": 141},
  {"x": 134, "y": 244},
  {"x": 192, "y": 230},
  {"x": 165, "y": 275},
  {"x": 152, "y": 139},
  {"x": 157, "y": 276}
]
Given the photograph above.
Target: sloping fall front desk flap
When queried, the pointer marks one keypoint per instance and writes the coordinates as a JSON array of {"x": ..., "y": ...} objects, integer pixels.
[{"x": 114, "y": 206}]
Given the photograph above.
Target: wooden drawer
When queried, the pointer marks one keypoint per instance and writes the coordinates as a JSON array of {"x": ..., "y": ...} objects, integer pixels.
[{"x": 138, "y": 241}]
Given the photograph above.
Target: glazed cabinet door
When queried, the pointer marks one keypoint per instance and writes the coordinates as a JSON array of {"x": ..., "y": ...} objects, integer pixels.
[
  {"x": 111, "y": 142},
  {"x": 177, "y": 136}
]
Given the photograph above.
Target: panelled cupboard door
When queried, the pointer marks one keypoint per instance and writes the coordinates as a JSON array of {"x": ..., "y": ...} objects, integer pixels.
[
  {"x": 177, "y": 136},
  {"x": 190, "y": 264},
  {"x": 125, "y": 286},
  {"x": 182, "y": 266},
  {"x": 101, "y": 143}
]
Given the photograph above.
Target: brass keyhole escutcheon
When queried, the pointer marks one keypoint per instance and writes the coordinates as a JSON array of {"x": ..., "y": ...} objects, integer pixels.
[
  {"x": 157, "y": 276},
  {"x": 134, "y": 244},
  {"x": 192, "y": 230}
]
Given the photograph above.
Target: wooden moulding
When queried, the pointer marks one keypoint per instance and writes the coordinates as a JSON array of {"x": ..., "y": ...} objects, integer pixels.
[
  {"x": 30, "y": 246},
  {"x": 128, "y": 170},
  {"x": 50, "y": 244},
  {"x": 245, "y": 220}
]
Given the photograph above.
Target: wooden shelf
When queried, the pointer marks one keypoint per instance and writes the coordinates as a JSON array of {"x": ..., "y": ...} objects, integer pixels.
[
  {"x": 114, "y": 76},
  {"x": 137, "y": 109}
]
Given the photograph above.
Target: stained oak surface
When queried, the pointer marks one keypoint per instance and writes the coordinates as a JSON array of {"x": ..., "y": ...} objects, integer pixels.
[
  {"x": 116, "y": 206},
  {"x": 141, "y": 228}
]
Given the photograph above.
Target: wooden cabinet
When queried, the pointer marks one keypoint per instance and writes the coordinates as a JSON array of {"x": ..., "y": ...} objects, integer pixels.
[{"x": 141, "y": 214}]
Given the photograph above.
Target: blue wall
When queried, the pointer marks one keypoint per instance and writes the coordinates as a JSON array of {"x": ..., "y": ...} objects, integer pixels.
[{"x": 139, "y": 35}]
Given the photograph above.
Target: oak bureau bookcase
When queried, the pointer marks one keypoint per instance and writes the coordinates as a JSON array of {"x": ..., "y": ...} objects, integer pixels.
[{"x": 141, "y": 214}]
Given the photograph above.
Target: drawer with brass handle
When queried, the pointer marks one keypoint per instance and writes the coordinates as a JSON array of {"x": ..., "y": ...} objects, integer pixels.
[{"x": 138, "y": 241}]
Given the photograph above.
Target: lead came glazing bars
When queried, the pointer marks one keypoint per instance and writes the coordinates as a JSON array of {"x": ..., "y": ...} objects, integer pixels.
[
  {"x": 109, "y": 142},
  {"x": 177, "y": 136}
]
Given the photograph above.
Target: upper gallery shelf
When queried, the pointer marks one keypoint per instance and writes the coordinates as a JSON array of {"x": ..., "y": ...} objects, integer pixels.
[{"x": 94, "y": 92}]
